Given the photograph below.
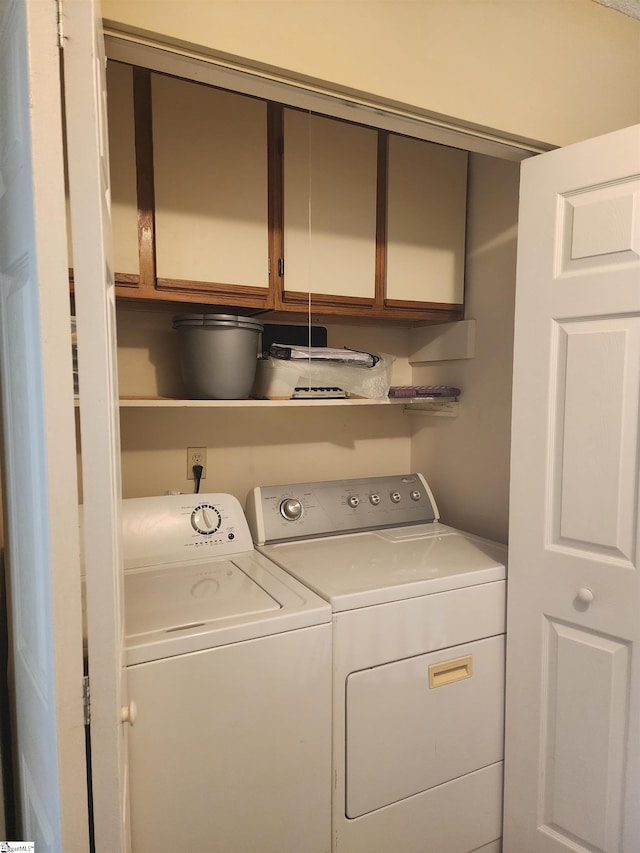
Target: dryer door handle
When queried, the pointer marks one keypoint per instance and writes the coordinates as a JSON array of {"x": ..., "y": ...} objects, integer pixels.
[{"x": 449, "y": 671}]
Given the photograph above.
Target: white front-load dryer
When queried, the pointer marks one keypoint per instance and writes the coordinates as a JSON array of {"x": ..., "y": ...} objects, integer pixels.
[
  {"x": 418, "y": 659},
  {"x": 229, "y": 670}
]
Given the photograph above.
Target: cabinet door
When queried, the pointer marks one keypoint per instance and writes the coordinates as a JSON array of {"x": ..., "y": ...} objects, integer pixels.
[
  {"x": 122, "y": 164},
  {"x": 211, "y": 198},
  {"x": 426, "y": 210},
  {"x": 330, "y": 175},
  {"x": 122, "y": 161}
]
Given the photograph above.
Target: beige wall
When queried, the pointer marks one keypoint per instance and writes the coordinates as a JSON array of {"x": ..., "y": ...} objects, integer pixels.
[
  {"x": 466, "y": 459},
  {"x": 250, "y": 447},
  {"x": 553, "y": 70}
]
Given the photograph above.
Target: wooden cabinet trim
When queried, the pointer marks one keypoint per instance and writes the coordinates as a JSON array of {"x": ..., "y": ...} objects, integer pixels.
[
  {"x": 275, "y": 145},
  {"x": 295, "y": 297},
  {"x": 360, "y": 314},
  {"x": 127, "y": 280},
  {"x": 145, "y": 187},
  {"x": 122, "y": 279},
  {"x": 381, "y": 218},
  {"x": 234, "y": 293},
  {"x": 406, "y": 305}
]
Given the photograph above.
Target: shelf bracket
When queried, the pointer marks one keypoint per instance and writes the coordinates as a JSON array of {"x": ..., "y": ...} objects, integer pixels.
[{"x": 441, "y": 409}]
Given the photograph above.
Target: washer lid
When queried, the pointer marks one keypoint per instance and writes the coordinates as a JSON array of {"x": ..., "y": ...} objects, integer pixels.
[
  {"x": 362, "y": 569},
  {"x": 171, "y": 599},
  {"x": 190, "y": 606}
]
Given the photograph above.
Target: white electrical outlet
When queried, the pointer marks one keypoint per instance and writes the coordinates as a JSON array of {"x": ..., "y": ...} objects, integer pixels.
[{"x": 196, "y": 456}]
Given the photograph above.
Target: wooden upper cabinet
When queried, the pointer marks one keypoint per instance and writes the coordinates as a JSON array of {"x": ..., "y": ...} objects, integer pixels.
[
  {"x": 330, "y": 197},
  {"x": 222, "y": 199},
  {"x": 426, "y": 221},
  {"x": 211, "y": 194}
]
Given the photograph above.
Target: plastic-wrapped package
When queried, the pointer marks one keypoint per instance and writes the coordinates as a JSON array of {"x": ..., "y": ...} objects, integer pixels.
[
  {"x": 354, "y": 358},
  {"x": 277, "y": 379}
]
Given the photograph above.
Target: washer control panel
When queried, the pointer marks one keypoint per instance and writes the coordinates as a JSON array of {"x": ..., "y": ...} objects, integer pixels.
[
  {"x": 303, "y": 510},
  {"x": 178, "y": 528}
]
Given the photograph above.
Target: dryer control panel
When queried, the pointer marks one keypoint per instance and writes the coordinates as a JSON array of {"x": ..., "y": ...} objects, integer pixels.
[{"x": 304, "y": 510}]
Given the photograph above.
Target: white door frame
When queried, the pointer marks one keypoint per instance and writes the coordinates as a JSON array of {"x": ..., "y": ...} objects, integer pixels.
[{"x": 90, "y": 202}]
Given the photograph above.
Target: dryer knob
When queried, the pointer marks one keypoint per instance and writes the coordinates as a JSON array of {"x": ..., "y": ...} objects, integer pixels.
[
  {"x": 396, "y": 497},
  {"x": 291, "y": 509},
  {"x": 353, "y": 501}
]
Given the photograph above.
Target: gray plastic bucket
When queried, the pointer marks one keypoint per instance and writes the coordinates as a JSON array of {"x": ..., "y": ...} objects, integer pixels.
[{"x": 218, "y": 354}]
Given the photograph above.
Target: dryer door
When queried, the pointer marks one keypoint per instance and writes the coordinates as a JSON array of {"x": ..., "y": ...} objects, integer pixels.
[{"x": 417, "y": 723}]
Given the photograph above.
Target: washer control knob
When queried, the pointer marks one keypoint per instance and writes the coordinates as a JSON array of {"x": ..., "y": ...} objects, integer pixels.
[
  {"x": 291, "y": 509},
  {"x": 396, "y": 497},
  {"x": 415, "y": 495},
  {"x": 353, "y": 501},
  {"x": 205, "y": 519},
  {"x": 374, "y": 499}
]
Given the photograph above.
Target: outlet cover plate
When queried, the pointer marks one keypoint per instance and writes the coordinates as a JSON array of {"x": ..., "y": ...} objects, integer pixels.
[{"x": 196, "y": 456}]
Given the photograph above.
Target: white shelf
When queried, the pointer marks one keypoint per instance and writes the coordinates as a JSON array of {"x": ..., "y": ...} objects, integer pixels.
[
  {"x": 410, "y": 405},
  {"x": 169, "y": 403}
]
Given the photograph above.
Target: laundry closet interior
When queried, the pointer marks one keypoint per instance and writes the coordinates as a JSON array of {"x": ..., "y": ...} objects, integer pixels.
[{"x": 317, "y": 218}]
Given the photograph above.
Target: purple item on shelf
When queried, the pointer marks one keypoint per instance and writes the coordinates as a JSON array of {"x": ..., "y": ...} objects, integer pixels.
[{"x": 423, "y": 391}]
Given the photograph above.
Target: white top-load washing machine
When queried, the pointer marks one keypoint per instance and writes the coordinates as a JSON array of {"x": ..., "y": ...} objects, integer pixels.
[
  {"x": 418, "y": 659},
  {"x": 229, "y": 667}
]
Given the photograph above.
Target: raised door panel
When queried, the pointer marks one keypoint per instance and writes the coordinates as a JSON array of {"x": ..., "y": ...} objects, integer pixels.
[
  {"x": 585, "y": 728},
  {"x": 426, "y": 215},
  {"x": 330, "y": 180},
  {"x": 211, "y": 193},
  {"x": 595, "y": 440}
]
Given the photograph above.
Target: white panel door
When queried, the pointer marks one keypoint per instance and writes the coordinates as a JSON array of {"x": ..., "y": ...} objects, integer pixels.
[
  {"x": 88, "y": 163},
  {"x": 573, "y": 649},
  {"x": 41, "y": 512}
]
